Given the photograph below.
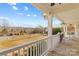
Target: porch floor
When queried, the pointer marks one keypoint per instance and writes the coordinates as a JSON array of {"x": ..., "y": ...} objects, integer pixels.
[{"x": 68, "y": 47}]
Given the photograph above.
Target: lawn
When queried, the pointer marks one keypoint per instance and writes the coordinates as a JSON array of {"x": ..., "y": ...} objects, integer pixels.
[{"x": 17, "y": 40}]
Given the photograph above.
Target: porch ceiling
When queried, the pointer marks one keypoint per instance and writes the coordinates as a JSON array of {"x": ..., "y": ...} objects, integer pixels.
[{"x": 67, "y": 12}]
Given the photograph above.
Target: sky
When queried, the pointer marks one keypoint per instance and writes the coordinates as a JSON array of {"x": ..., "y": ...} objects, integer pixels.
[{"x": 24, "y": 15}]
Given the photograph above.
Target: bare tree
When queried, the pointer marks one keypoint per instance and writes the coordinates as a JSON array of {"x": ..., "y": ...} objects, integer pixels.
[
  {"x": 5, "y": 25},
  {"x": 42, "y": 28}
]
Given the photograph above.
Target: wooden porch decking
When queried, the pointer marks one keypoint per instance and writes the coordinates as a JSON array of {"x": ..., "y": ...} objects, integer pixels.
[{"x": 67, "y": 48}]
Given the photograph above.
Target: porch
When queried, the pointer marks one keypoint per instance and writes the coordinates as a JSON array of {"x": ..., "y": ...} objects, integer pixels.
[{"x": 51, "y": 44}]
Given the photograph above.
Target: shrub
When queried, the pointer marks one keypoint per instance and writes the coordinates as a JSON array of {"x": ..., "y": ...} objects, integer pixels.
[
  {"x": 56, "y": 30},
  {"x": 4, "y": 31}
]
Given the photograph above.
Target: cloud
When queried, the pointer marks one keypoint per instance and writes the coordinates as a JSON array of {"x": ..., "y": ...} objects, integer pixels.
[
  {"x": 3, "y": 18},
  {"x": 12, "y": 4},
  {"x": 35, "y": 15},
  {"x": 19, "y": 13},
  {"x": 14, "y": 8},
  {"x": 26, "y": 8},
  {"x": 28, "y": 15}
]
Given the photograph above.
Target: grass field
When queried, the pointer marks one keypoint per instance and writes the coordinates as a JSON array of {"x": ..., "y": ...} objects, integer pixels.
[{"x": 17, "y": 40}]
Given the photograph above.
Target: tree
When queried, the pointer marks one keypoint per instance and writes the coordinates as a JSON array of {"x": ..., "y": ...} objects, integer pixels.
[
  {"x": 42, "y": 28},
  {"x": 5, "y": 25},
  {"x": 56, "y": 30},
  {"x": 4, "y": 31}
]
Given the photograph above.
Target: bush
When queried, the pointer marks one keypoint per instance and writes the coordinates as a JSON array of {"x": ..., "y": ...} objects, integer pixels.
[
  {"x": 56, "y": 30},
  {"x": 4, "y": 31}
]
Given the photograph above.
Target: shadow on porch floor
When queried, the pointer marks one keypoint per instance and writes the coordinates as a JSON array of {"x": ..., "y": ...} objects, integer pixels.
[{"x": 67, "y": 48}]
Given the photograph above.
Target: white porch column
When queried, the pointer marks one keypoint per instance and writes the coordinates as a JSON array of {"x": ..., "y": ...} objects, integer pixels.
[
  {"x": 50, "y": 31},
  {"x": 65, "y": 30},
  {"x": 75, "y": 30}
]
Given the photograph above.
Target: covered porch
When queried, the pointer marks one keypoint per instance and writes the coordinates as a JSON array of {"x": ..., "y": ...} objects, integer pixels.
[
  {"x": 68, "y": 14},
  {"x": 50, "y": 45}
]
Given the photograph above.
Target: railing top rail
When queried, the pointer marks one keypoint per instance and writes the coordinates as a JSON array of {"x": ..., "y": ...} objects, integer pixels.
[{"x": 20, "y": 46}]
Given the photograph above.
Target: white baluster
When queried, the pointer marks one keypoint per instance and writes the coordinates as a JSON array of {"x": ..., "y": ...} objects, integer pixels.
[
  {"x": 31, "y": 51},
  {"x": 19, "y": 52},
  {"x": 36, "y": 49},
  {"x": 22, "y": 51},
  {"x": 44, "y": 45},
  {"x": 27, "y": 51},
  {"x": 13, "y": 53},
  {"x": 40, "y": 48}
]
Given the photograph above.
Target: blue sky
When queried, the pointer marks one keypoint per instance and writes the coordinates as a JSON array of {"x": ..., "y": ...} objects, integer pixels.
[{"x": 23, "y": 14}]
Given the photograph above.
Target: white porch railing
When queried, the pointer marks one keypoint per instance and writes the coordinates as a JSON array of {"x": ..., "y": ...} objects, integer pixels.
[{"x": 34, "y": 48}]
